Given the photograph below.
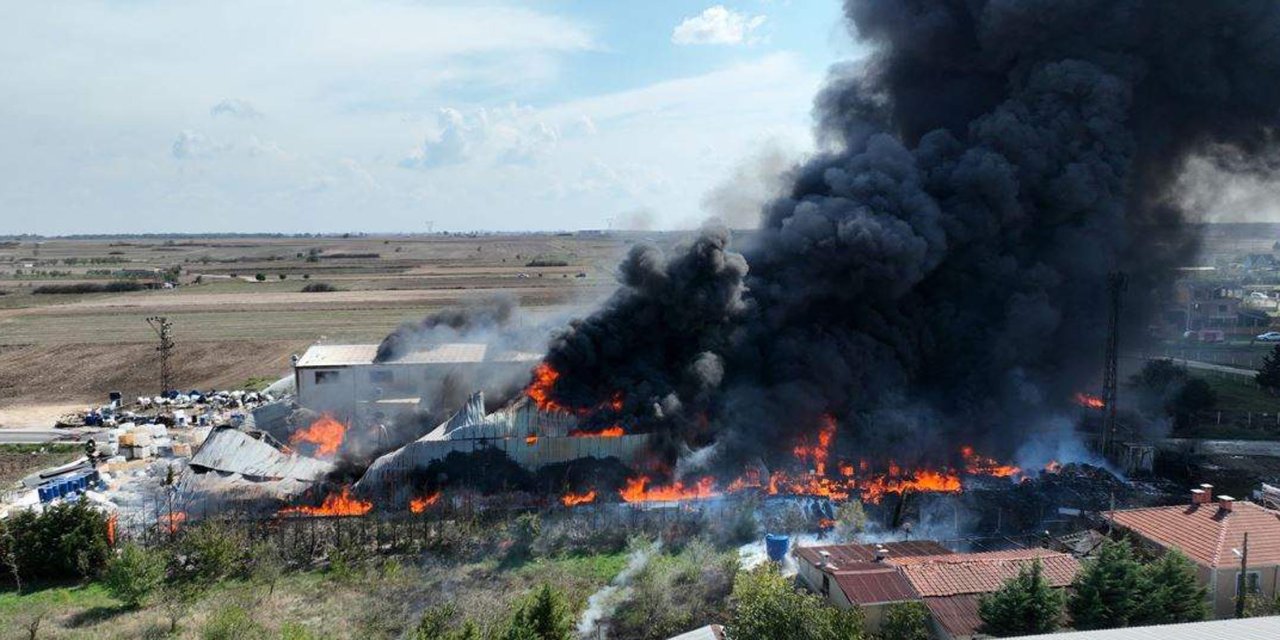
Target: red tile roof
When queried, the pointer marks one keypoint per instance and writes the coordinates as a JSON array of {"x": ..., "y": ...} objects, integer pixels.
[
  {"x": 842, "y": 555},
  {"x": 958, "y": 615},
  {"x": 962, "y": 573},
  {"x": 874, "y": 583},
  {"x": 1206, "y": 534}
]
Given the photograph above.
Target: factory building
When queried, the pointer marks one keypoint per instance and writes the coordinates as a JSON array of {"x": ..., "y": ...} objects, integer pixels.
[
  {"x": 530, "y": 437},
  {"x": 347, "y": 382}
]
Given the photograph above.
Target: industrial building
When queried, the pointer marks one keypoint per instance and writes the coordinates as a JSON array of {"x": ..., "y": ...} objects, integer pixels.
[
  {"x": 530, "y": 437},
  {"x": 349, "y": 383}
]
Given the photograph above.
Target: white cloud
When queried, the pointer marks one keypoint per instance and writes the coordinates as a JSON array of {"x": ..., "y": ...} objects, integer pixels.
[
  {"x": 718, "y": 25},
  {"x": 235, "y": 108}
]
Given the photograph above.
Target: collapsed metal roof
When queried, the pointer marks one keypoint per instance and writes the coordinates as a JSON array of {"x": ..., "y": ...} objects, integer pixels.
[{"x": 233, "y": 451}]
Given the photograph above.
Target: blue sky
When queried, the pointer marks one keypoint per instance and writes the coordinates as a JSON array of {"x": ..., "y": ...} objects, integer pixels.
[{"x": 379, "y": 115}]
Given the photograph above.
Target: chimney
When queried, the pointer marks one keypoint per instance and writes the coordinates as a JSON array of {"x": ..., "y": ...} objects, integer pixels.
[
  {"x": 1198, "y": 496},
  {"x": 1208, "y": 492},
  {"x": 1225, "y": 503}
]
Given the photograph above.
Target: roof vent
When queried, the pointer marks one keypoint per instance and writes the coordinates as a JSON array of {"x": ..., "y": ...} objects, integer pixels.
[
  {"x": 1208, "y": 492},
  {"x": 1226, "y": 502},
  {"x": 1198, "y": 496}
]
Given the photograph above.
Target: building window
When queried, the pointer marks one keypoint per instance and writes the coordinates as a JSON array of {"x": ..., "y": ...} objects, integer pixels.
[
  {"x": 326, "y": 377},
  {"x": 1253, "y": 580},
  {"x": 381, "y": 376}
]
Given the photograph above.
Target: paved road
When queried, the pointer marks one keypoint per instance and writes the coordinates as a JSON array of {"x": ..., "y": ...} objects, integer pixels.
[
  {"x": 1209, "y": 366},
  {"x": 31, "y": 436}
]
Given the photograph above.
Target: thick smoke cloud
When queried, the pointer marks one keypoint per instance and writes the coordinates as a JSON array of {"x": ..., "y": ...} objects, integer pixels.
[{"x": 937, "y": 276}]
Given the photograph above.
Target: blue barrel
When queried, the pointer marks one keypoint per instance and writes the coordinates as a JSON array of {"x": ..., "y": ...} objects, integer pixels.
[
  {"x": 43, "y": 492},
  {"x": 776, "y": 546}
]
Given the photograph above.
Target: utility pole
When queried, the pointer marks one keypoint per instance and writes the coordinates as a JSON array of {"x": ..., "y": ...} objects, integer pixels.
[
  {"x": 431, "y": 227},
  {"x": 1117, "y": 282},
  {"x": 1243, "y": 581},
  {"x": 163, "y": 328}
]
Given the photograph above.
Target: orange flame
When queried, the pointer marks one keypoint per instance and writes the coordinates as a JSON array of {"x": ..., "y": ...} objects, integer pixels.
[
  {"x": 420, "y": 504},
  {"x": 637, "y": 490},
  {"x": 539, "y": 390},
  {"x": 1090, "y": 401},
  {"x": 575, "y": 499},
  {"x": 611, "y": 432},
  {"x": 172, "y": 521},
  {"x": 325, "y": 434},
  {"x": 977, "y": 465},
  {"x": 339, "y": 504},
  {"x": 818, "y": 453},
  {"x": 531, "y": 439},
  {"x": 1053, "y": 467}
]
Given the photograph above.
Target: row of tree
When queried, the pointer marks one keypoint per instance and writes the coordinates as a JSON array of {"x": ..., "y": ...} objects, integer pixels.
[{"x": 1114, "y": 589}]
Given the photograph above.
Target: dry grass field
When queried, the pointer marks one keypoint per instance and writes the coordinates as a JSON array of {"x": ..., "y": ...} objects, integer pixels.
[{"x": 240, "y": 310}]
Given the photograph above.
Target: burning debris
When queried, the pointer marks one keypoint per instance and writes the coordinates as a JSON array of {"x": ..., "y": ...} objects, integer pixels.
[{"x": 324, "y": 436}]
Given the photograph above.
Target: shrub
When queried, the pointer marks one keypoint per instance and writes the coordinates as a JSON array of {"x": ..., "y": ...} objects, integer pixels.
[
  {"x": 260, "y": 277},
  {"x": 318, "y": 287},
  {"x": 232, "y": 622},
  {"x": 767, "y": 606},
  {"x": 545, "y": 614},
  {"x": 905, "y": 621},
  {"x": 67, "y": 540},
  {"x": 87, "y": 287},
  {"x": 134, "y": 574},
  {"x": 211, "y": 551}
]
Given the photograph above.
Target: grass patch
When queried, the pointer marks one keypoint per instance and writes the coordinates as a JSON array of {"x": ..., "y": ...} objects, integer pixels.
[
  {"x": 1238, "y": 393},
  {"x": 18, "y": 460}
]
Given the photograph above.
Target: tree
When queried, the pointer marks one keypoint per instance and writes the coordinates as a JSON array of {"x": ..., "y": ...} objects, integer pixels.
[
  {"x": 1108, "y": 589},
  {"x": 545, "y": 614},
  {"x": 851, "y": 519},
  {"x": 260, "y": 277},
  {"x": 1269, "y": 375},
  {"x": 766, "y": 606},
  {"x": 134, "y": 574},
  {"x": 67, "y": 540},
  {"x": 1172, "y": 593},
  {"x": 1025, "y": 605},
  {"x": 905, "y": 621}
]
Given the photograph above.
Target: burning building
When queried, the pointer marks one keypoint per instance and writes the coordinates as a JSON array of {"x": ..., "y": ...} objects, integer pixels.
[
  {"x": 522, "y": 431},
  {"x": 355, "y": 383}
]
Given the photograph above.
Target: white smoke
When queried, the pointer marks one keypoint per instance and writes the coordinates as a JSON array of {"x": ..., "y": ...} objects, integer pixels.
[{"x": 602, "y": 603}]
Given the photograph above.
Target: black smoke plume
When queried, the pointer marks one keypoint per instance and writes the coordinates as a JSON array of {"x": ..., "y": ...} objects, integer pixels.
[
  {"x": 447, "y": 325},
  {"x": 936, "y": 276}
]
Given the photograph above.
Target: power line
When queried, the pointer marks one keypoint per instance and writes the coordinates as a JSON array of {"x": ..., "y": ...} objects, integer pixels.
[{"x": 163, "y": 328}]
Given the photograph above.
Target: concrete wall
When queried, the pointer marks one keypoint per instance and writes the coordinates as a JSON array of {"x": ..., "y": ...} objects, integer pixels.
[{"x": 1223, "y": 589}]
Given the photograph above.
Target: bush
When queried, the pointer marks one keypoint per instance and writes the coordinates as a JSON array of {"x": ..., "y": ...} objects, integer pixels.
[
  {"x": 905, "y": 621},
  {"x": 67, "y": 540},
  {"x": 767, "y": 606},
  {"x": 134, "y": 574},
  {"x": 675, "y": 593},
  {"x": 87, "y": 287},
  {"x": 211, "y": 551},
  {"x": 545, "y": 614},
  {"x": 319, "y": 287},
  {"x": 232, "y": 622},
  {"x": 260, "y": 277}
]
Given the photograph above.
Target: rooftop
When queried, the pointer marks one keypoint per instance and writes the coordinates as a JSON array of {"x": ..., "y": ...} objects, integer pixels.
[
  {"x": 844, "y": 556},
  {"x": 875, "y": 583},
  {"x": 348, "y": 355},
  {"x": 1244, "y": 629},
  {"x": 1206, "y": 533},
  {"x": 972, "y": 573}
]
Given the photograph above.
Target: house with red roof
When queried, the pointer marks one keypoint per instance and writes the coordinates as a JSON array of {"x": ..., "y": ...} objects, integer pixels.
[
  {"x": 950, "y": 585},
  {"x": 1210, "y": 532}
]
